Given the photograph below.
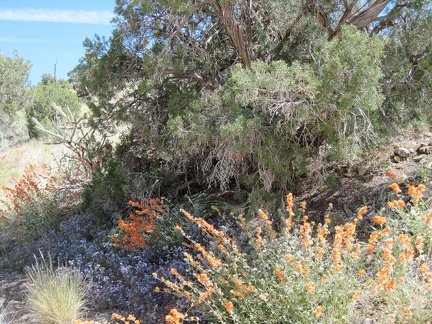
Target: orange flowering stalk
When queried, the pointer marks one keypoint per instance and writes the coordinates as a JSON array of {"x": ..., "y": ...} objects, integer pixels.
[
  {"x": 140, "y": 225},
  {"x": 396, "y": 204},
  {"x": 380, "y": 220},
  {"x": 390, "y": 174},
  {"x": 416, "y": 192},
  {"x": 174, "y": 317},
  {"x": 229, "y": 306}
]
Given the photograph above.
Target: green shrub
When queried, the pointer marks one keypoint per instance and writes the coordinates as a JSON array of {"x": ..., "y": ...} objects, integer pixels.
[
  {"x": 47, "y": 93},
  {"x": 55, "y": 296},
  {"x": 108, "y": 192}
]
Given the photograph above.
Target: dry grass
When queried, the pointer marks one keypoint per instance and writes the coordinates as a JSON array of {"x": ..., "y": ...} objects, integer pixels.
[
  {"x": 55, "y": 296},
  {"x": 14, "y": 159}
]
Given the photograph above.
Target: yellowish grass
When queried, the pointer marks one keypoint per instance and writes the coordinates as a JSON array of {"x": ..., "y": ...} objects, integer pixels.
[
  {"x": 55, "y": 296},
  {"x": 13, "y": 160}
]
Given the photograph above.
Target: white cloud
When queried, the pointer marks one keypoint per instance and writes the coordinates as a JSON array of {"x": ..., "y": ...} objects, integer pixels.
[{"x": 101, "y": 17}]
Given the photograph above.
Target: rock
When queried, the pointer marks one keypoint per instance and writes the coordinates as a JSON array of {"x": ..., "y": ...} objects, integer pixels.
[
  {"x": 417, "y": 158},
  {"x": 336, "y": 218},
  {"x": 402, "y": 152},
  {"x": 424, "y": 149},
  {"x": 368, "y": 178},
  {"x": 397, "y": 159},
  {"x": 362, "y": 169}
]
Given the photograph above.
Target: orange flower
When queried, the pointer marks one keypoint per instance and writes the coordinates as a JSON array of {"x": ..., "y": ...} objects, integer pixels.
[
  {"x": 390, "y": 174},
  {"x": 390, "y": 285},
  {"x": 117, "y": 316},
  {"x": 249, "y": 288},
  {"x": 229, "y": 306},
  {"x": 202, "y": 277},
  {"x": 157, "y": 289},
  {"x": 309, "y": 286},
  {"x": 280, "y": 274},
  {"x": 407, "y": 311},
  {"x": 262, "y": 297},
  {"x": 395, "y": 187},
  {"x": 237, "y": 293},
  {"x": 424, "y": 268},
  {"x": 262, "y": 214},
  {"x": 361, "y": 272},
  {"x": 361, "y": 212},
  {"x": 318, "y": 311},
  {"x": 174, "y": 317},
  {"x": 380, "y": 220}
]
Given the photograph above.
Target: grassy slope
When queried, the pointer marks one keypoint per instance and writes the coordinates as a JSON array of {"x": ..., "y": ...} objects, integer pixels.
[{"x": 13, "y": 159}]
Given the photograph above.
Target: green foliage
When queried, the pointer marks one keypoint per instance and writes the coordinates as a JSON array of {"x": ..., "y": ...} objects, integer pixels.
[
  {"x": 47, "y": 93},
  {"x": 247, "y": 97},
  {"x": 55, "y": 295},
  {"x": 108, "y": 192},
  {"x": 270, "y": 119},
  {"x": 15, "y": 94},
  {"x": 350, "y": 73},
  {"x": 407, "y": 66}
]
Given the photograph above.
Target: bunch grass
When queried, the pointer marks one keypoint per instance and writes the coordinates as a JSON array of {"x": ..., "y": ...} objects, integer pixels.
[
  {"x": 5, "y": 316},
  {"x": 55, "y": 296}
]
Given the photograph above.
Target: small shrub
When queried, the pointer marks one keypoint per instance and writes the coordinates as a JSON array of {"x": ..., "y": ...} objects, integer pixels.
[
  {"x": 150, "y": 223},
  {"x": 301, "y": 274},
  {"x": 38, "y": 198},
  {"x": 108, "y": 191},
  {"x": 141, "y": 226},
  {"x": 55, "y": 296}
]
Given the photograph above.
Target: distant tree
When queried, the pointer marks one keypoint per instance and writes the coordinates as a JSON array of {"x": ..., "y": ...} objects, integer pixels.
[
  {"x": 14, "y": 92},
  {"x": 46, "y": 94}
]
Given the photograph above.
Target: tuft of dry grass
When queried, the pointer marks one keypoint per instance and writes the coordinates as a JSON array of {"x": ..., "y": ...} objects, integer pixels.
[
  {"x": 5, "y": 317},
  {"x": 55, "y": 296}
]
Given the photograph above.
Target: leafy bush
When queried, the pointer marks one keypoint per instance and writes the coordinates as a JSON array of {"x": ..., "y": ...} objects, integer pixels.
[
  {"x": 15, "y": 96},
  {"x": 268, "y": 122},
  {"x": 107, "y": 194},
  {"x": 55, "y": 296}
]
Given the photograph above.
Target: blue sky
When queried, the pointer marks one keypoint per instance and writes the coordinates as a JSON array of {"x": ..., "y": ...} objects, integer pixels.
[{"x": 51, "y": 32}]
